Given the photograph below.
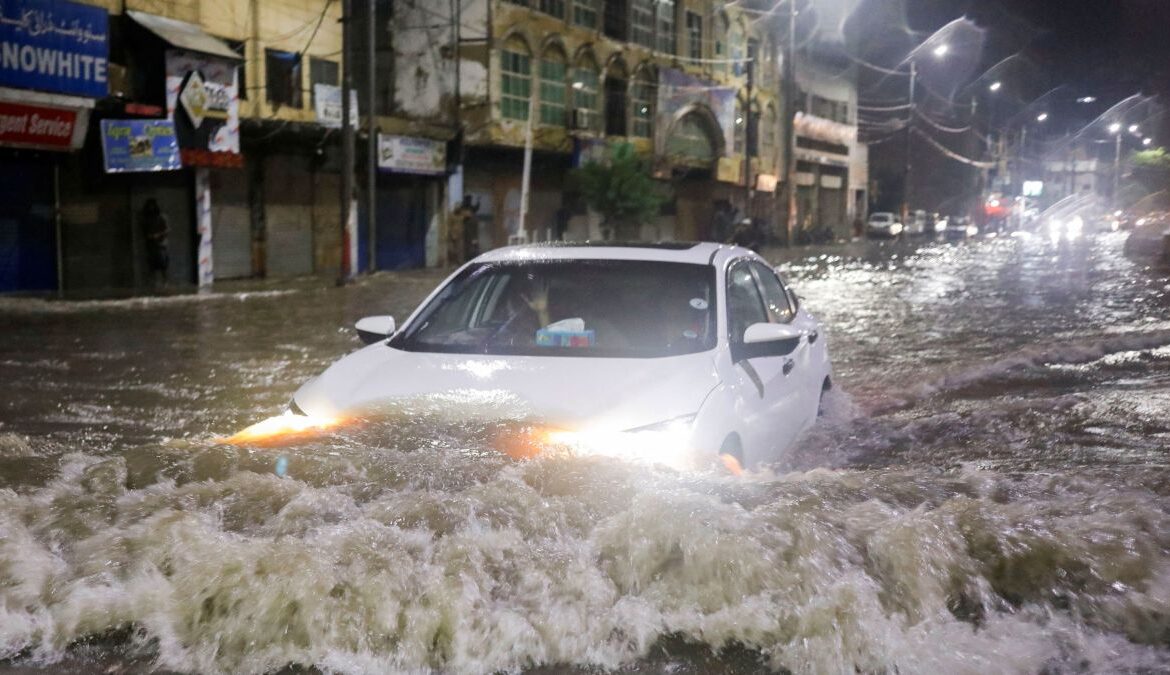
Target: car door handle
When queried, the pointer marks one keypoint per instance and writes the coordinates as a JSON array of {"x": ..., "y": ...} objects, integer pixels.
[{"x": 789, "y": 364}]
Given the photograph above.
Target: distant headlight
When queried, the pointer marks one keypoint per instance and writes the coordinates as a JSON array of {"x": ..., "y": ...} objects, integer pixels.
[{"x": 896, "y": 228}]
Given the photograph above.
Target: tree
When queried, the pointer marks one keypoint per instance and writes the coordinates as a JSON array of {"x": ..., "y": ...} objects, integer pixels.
[
  {"x": 621, "y": 190},
  {"x": 1152, "y": 168}
]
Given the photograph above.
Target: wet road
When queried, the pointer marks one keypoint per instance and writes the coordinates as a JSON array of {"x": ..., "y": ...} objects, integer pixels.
[{"x": 990, "y": 492}]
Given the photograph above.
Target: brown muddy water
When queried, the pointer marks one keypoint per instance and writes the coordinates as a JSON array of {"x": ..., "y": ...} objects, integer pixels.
[{"x": 989, "y": 492}]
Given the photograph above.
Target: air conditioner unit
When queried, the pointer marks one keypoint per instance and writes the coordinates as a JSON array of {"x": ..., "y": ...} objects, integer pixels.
[{"x": 584, "y": 119}]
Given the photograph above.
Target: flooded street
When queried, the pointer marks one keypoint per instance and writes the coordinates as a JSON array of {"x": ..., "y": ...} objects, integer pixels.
[{"x": 989, "y": 491}]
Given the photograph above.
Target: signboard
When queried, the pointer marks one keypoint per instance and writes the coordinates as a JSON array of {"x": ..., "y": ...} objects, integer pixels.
[
  {"x": 766, "y": 182},
  {"x": 821, "y": 129},
  {"x": 327, "y": 105},
  {"x": 54, "y": 45},
  {"x": 37, "y": 126},
  {"x": 139, "y": 145},
  {"x": 1033, "y": 188},
  {"x": 203, "y": 101},
  {"x": 407, "y": 154}
]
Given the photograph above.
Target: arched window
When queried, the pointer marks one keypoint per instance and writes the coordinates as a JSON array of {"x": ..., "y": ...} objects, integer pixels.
[
  {"x": 740, "y": 135},
  {"x": 643, "y": 100},
  {"x": 617, "y": 81},
  {"x": 693, "y": 140},
  {"x": 586, "y": 93},
  {"x": 553, "y": 66},
  {"x": 515, "y": 79}
]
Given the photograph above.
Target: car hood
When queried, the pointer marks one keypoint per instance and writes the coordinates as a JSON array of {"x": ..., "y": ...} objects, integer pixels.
[{"x": 605, "y": 393}]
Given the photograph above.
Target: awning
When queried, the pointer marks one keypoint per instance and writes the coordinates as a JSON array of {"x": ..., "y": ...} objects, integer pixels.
[{"x": 184, "y": 35}]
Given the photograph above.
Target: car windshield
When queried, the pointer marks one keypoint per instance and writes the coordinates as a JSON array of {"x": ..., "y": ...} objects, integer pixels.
[{"x": 610, "y": 308}]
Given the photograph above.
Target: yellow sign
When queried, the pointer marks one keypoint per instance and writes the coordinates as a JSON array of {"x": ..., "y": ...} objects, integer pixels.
[{"x": 729, "y": 170}]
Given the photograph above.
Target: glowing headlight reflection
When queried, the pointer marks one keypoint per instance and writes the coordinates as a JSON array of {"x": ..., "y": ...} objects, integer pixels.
[
  {"x": 282, "y": 429},
  {"x": 667, "y": 443}
]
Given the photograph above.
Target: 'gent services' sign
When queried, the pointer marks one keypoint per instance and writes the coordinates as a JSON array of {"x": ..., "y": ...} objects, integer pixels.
[{"x": 54, "y": 45}]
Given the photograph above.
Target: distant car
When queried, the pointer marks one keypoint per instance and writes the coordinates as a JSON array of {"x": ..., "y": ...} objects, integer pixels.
[
  {"x": 883, "y": 224},
  {"x": 958, "y": 227},
  {"x": 672, "y": 353},
  {"x": 917, "y": 224}
]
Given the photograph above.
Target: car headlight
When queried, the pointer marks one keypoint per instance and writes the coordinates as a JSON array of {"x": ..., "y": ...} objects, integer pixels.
[{"x": 666, "y": 442}]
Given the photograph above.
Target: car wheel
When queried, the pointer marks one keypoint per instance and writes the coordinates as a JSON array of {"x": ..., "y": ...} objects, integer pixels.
[{"x": 731, "y": 454}]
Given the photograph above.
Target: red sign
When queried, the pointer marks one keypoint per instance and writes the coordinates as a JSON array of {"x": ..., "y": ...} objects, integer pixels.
[
  {"x": 36, "y": 126},
  {"x": 215, "y": 160}
]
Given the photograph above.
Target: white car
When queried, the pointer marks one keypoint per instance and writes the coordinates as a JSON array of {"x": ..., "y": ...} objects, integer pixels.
[
  {"x": 883, "y": 224},
  {"x": 670, "y": 353}
]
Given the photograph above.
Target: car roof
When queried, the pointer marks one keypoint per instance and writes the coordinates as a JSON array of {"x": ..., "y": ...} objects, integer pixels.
[{"x": 701, "y": 253}]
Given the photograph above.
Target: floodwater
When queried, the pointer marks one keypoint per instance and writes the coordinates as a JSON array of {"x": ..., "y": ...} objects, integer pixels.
[{"x": 989, "y": 492}]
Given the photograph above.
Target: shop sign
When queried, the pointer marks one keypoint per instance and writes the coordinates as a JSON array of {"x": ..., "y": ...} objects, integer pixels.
[
  {"x": 327, "y": 105},
  {"x": 37, "y": 126},
  {"x": 203, "y": 101},
  {"x": 54, "y": 45},
  {"x": 766, "y": 182},
  {"x": 821, "y": 129},
  {"x": 139, "y": 145},
  {"x": 729, "y": 170},
  {"x": 408, "y": 154}
]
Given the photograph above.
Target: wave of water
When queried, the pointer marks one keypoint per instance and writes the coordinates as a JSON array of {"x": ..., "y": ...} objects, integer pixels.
[{"x": 398, "y": 549}]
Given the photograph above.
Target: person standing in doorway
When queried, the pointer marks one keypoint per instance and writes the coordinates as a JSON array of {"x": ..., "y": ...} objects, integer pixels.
[
  {"x": 155, "y": 230},
  {"x": 463, "y": 232}
]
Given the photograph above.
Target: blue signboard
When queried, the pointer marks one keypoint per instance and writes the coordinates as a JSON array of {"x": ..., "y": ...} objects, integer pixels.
[
  {"x": 140, "y": 145},
  {"x": 54, "y": 45}
]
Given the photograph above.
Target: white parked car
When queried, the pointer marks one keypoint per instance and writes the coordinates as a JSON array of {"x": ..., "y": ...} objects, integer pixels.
[
  {"x": 883, "y": 224},
  {"x": 670, "y": 353}
]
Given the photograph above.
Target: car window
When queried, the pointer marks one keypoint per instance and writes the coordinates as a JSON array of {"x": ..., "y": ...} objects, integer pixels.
[
  {"x": 780, "y": 310},
  {"x": 614, "y": 308},
  {"x": 744, "y": 304}
]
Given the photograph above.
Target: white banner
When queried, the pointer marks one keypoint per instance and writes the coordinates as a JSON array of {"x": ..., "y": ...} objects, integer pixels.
[
  {"x": 327, "y": 105},
  {"x": 408, "y": 154}
]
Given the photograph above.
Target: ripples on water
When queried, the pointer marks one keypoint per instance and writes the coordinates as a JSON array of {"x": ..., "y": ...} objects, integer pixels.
[{"x": 990, "y": 495}]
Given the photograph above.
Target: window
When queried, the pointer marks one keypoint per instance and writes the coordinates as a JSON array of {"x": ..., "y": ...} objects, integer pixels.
[
  {"x": 775, "y": 295},
  {"x": 629, "y": 309},
  {"x": 554, "y": 7},
  {"x": 736, "y": 45},
  {"x": 522, "y": 3},
  {"x": 284, "y": 78},
  {"x": 643, "y": 102},
  {"x": 515, "y": 80},
  {"x": 552, "y": 88},
  {"x": 240, "y": 47},
  {"x": 666, "y": 35},
  {"x": 586, "y": 93},
  {"x": 694, "y": 35},
  {"x": 744, "y": 304},
  {"x": 585, "y": 13},
  {"x": 723, "y": 28},
  {"x": 322, "y": 71},
  {"x": 617, "y": 19},
  {"x": 615, "y": 100},
  {"x": 642, "y": 23},
  {"x": 740, "y": 135}
]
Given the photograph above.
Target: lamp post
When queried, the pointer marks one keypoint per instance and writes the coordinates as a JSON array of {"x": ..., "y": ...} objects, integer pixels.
[
  {"x": 1115, "y": 129},
  {"x": 940, "y": 51}
]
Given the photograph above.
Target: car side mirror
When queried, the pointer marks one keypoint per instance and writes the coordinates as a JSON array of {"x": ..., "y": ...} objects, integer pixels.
[
  {"x": 373, "y": 329},
  {"x": 767, "y": 339}
]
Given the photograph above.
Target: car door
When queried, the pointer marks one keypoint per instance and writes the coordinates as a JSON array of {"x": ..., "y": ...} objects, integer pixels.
[
  {"x": 804, "y": 378},
  {"x": 768, "y": 404}
]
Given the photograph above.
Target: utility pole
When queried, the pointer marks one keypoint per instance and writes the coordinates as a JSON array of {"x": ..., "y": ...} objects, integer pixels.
[
  {"x": 790, "y": 125},
  {"x": 906, "y": 193},
  {"x": 526, "y": 176},
  {"x": 372, "y": 139},
  {"x": 348, "y": 264},
  {"x": 1117, "y": 171},
  {"x": 749, "y": 135}
]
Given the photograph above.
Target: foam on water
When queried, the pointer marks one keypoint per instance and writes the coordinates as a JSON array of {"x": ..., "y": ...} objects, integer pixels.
[{"x": 388, "y": 558}]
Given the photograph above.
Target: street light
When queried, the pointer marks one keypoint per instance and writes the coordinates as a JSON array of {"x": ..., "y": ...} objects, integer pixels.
[
  {"x": 1114, "y": 128},
  {"x": 995, "y": 86},
  {"x": 941, "y": 50},
  {"x": 1041, "y": 117},
  {"x": 1133, "y": 128},
  {"x": 1147, "y": 141},
  {"x": 1086, "y": 99}
]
